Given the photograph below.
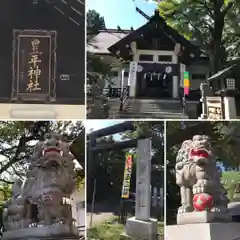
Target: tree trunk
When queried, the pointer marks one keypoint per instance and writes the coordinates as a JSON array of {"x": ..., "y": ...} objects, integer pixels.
[{"x": 217, "y": 53}]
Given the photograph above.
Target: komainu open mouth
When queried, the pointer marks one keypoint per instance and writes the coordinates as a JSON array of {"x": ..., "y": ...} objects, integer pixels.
[
  {"x": 199, "y": 153},
  {"x": 52, "y": 149}
]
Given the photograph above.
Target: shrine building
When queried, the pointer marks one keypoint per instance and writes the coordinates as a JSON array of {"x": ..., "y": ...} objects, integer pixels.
[{"x": 162, "y": 56}]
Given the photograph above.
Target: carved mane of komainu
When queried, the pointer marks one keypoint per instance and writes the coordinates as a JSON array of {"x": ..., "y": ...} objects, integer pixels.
[
  {"x": 43, "y": 198},
  {"x": 196, "y": 172}
]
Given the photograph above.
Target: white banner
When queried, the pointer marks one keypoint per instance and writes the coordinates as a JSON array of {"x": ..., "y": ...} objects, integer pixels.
[
  {"x": 122, "y": 80},
  {"x": 132, "y": 73}
]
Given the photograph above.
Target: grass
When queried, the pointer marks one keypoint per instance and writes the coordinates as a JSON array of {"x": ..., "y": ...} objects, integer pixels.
[
  {"x": 111, "y": 230},
  {"x": 229, "y": 179},
  {"x": 229, "y": 176}
]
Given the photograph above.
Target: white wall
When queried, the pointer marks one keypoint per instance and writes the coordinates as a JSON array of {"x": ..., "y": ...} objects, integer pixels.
[
  {"x": 41, "y": 111},
  {"x": 78, "y": 206}
]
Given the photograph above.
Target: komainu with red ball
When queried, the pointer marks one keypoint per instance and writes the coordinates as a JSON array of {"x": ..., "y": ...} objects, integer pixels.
[{"x": 198, "y": 177}]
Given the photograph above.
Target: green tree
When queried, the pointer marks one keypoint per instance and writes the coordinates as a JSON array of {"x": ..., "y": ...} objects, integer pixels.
[
  {"x": 95, "y": 65},
  {"x": 18, "y": 139},
  {"x": 94, "y": 23},
  {"x": 107, "y": 169},
  {"x": 153, "y": 130},
  {"x": 210, "y": 24}
]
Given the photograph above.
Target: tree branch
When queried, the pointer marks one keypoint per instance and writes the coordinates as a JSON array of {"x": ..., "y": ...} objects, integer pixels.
[
  {"x": 22, "y": 143},
  {"x": 205, "y": 4},
  {"x": 227, "y": 8},
  {"x": 6, "y": 181}
]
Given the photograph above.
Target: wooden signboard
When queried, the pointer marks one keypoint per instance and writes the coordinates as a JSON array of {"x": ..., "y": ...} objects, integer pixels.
[
  {"x": 214, "y": 108},
  {"x": 34, "y": 65}
]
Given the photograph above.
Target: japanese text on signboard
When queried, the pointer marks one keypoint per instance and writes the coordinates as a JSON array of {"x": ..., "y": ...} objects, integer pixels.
[
  {"x": 34, "y": 67},
  {"x": 127, "y": 177}
]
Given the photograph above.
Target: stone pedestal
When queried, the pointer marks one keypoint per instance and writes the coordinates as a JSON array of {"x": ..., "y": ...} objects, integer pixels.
[
  {"x": 51, "y": 232},
  {"x": 204, "y": 231},
  {"x": 202, "y": 217},
  {"x": 140, "y": 230}
]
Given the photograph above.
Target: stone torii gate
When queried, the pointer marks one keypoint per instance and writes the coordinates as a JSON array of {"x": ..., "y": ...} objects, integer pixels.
[{"x": 141, "y": 226}]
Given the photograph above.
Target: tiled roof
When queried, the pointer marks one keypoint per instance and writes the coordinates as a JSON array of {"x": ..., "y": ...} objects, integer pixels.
[{"x": 106, "y": 38}]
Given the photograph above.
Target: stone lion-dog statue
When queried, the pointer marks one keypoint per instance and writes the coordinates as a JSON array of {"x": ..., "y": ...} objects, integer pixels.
[{"x": 196, "y": 174}]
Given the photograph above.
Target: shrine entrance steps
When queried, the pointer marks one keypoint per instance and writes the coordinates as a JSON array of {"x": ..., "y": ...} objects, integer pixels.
[{"x": 150, "y": 108}]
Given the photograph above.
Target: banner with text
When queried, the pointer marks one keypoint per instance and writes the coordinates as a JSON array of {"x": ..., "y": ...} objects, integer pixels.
[
  {"x": 133, "y": 67},
  {"x": 127, "y": 177}
]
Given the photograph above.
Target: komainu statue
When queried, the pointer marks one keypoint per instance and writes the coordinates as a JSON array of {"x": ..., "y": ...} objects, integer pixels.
[
  {"x": 202, "y": 195},
  {"x": 42, "y": 200}
]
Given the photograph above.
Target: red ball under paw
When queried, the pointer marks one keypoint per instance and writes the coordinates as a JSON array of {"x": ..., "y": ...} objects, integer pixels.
[{"x": 202, "y": 201}]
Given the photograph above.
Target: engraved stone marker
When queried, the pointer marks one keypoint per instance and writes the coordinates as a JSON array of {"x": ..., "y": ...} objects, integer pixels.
[{"x": 143, "y": 187}]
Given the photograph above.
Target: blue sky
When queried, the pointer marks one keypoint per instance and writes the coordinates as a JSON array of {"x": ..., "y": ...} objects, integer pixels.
[
  {"x": 99, "y": 124},
  {"x": 122, "y": 12}
]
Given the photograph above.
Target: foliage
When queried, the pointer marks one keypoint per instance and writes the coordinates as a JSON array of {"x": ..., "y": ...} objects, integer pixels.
[
  {"x": 18, "y": 139},
  {"x": 94, "y": 23},
  {"x": 95, "y": 64},
  {"x": 111, "y": 230},
  {"x": 210, "y": 24},
  {"x": 155, "y": 131},
  {"x": 230, "y": 182},
  {"x": 108, "y": 170}
]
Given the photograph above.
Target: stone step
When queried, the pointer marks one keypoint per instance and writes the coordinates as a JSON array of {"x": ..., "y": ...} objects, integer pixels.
[
  {"x": 144, "y": 108},
  {"x": 160, "y": 115}
]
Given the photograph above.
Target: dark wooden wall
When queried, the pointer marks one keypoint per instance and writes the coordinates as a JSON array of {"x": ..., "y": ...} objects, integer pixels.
[{"x": 23, "y": 14}]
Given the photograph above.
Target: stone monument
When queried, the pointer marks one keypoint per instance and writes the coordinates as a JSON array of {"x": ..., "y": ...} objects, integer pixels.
[
  {"x": 40, "y": 206},
  {"x": 205, "y": 91},
  {"x": 204, "y": 203},
  {"x": 142, "y": 227}
]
